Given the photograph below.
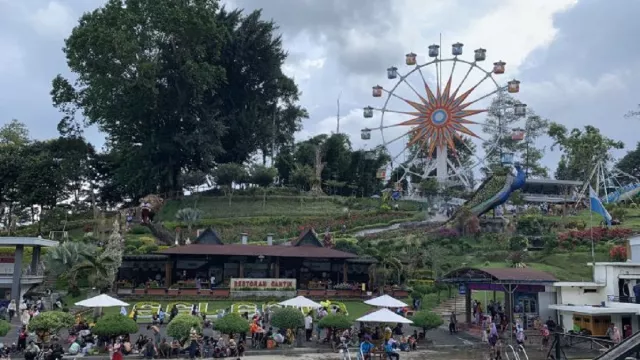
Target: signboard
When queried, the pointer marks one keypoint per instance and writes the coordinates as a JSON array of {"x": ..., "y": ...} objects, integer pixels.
[
  {"x": 462, "y": 289},
  {"x": 240, "y": 284}
]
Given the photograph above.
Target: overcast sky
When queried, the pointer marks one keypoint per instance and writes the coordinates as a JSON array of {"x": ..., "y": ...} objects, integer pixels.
[{"x": 579, "y": 61}]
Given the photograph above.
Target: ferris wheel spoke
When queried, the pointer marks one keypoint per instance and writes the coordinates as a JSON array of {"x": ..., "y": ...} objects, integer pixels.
[
  {"x": 438, "y": 78},
  {"x": 397, "y": 138},
  {"x": 415, "y": 105},
  {"x": 447, "y": 88},
  {"x": 463, "y": 106},
  {"x": 397, "y": 111},
  {"x": 471, "y": 151},
  {"x": 404, "y": 79},
  {"x": 455, "y": 93},
  {"x": 430, "y": 96}
]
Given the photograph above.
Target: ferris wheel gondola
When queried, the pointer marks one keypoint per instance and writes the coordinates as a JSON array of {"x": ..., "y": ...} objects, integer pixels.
[{"x": 440, "y": 116}]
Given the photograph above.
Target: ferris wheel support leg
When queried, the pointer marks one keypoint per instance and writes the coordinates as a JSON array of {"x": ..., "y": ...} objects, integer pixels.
[{"x": 441, "y": 164}]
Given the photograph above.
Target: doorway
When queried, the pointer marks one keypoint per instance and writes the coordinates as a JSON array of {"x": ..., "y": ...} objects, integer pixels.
[{"x": 626, "y": 323}]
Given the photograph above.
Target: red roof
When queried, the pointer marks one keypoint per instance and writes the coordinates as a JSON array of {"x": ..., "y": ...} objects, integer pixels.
[{"x": 256, "y": 250}]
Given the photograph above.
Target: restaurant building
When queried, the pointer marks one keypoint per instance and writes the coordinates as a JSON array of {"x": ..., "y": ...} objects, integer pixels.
[{"x": 304, "y": 266}]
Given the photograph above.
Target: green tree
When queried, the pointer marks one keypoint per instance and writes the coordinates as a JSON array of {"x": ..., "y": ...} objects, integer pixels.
[
  {"x": 97, "y": 266},
  {"x": 582, "y": 150},
  {"x": 115, "y": 325},
  {"x": 264, "y": 177},
  {"x": 630, "y": 163},
  {"x": 426, "y": 320},
  {"x": 232, "y": 323},
  {"x": 49, "y": 323},
  {"x": 302, "y": 176},
  {"x": 335, "y": 321},
  {"x": 180, "y": 327},
  {"x": 499, "y": 125},
  {"x": 287, "y": 318},
  {"x": 177, "y": 86},
  {"x": 227, "y": 174}
]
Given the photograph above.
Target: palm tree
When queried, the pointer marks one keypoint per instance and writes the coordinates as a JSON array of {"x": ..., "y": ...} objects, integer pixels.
[
  {"x": 62, "y": 259},
  {"x": 97, "y": 267},
  {"x": 190, "y": 217}
]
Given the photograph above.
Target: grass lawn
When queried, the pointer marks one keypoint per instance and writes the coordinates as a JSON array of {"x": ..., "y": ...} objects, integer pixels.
[
  {"x": 631, "y": 221},
  {"x": 249, "y": 206},
  {"x": 244, "y": 206}
]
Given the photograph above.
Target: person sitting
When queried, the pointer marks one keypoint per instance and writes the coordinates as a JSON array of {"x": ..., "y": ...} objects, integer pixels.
[
  {"x": 391, "y": 350},
  {"x": 240, "y": 348},
  {"x": 413, "y": 342},
  {"x": 31, "y": 351},
  {"x": 366, "y": 347},
  {"x": 164, "y": 349},
  {"x": 175, "y": 348},
  {"x": 278, "y": 338},
  {"x": 404, "y": 344},
  {"x": 74, "y": 349}
]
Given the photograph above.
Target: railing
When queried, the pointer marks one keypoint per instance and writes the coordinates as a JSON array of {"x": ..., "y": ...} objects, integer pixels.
[{"x": 624, "y": 299}]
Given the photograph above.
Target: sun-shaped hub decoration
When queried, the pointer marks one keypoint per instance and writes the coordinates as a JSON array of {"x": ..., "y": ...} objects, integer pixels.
[{"x": 440, "y": 118}]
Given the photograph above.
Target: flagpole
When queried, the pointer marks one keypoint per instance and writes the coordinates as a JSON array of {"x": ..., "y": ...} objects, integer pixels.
[{"x": 593, "y": 252}]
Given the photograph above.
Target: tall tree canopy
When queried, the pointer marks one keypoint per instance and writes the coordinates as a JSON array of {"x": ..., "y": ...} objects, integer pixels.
[
  {"x": 177, "y": 86},
  {"x": 500, "y": 122},
  {"x": 581, "y": 150},
  {"x": 630, "y": 163}
]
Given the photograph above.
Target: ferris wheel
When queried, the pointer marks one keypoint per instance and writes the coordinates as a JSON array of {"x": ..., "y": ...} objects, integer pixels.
[{"x": 436, "y": 122}]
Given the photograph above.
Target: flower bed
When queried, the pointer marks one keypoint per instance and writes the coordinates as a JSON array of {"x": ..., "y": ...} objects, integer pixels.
[
  {"x": 571, "y": 239},
  {"x": 241, "y": 308},
  {"x": 145, "y": 311},
  {"x": 289, "y": 227}
]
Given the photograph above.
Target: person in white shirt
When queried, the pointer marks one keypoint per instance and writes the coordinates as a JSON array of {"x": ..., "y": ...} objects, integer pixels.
[
  {"x": 12, "y": 309},
  {"x": 308, "y": 326},
  {"x": 212, "y": 282}
]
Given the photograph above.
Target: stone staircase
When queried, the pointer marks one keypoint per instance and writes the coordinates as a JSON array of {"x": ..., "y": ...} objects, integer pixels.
[{"x": 455, "y": 304}]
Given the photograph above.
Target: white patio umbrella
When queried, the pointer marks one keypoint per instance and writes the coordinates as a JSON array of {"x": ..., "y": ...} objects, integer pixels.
[
  {"x": 101, "y": 301},
  {"x": 385, "y": 301},
  {"x": 384, "y": 316},
  {"x": 301, "y": 302}
]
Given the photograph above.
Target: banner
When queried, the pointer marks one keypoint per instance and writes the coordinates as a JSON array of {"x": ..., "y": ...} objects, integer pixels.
[{"x": 243, "y": 284}]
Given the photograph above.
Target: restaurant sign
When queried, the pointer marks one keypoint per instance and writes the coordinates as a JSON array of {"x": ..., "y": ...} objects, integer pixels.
[{"x": 242, "y": 284}]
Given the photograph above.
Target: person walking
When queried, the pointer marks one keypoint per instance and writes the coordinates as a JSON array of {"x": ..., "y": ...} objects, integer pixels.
[
  {"x": 308, "y": 326},
  {"x": 12, "y": 309}
]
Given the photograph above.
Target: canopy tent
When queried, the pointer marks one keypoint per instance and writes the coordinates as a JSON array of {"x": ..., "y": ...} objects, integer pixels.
[
  {"x": 301, "y": 302},
  {"x": 101, "y": 301},
  {"x": 385, "y": 301},
  {"x": 384, "y": 316}
]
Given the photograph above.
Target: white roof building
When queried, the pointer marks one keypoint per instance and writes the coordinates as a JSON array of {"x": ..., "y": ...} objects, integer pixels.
[{"x": 610, "y": 298}]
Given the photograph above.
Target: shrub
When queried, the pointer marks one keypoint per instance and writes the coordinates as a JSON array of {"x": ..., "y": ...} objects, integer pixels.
[
  {"x": 50, "y": 322},
  {"x": 618, "y": 253},
  {"x": 335, "y": 321},
  {"x": 427, "y": 320},
  {"x": 287, "y": 318},
  {"x": 518, "y": 243},
  {"x": 232, "y": 323},
  {"x": 115, "y": 325},
  {"x": 180, "y": 327},
  {"x": 139, "y": 230},
  {"x": 5, "y": 327}
]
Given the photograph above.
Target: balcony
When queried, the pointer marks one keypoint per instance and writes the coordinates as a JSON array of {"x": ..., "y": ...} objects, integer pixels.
[
  {"x": 28, "y": 277},
  {"x": 623, "y": 299}
]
